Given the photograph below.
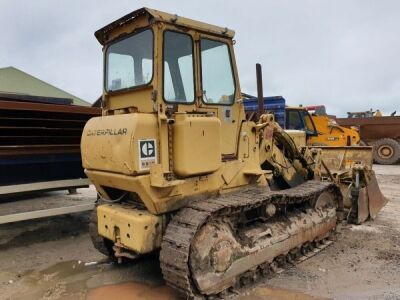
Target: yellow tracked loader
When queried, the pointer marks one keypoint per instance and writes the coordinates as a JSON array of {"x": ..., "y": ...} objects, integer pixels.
[{"x": 179, "y": 169}]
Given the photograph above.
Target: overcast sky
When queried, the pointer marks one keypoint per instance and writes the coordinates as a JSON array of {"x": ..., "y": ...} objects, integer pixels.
[{"x": 344, "y": 54}]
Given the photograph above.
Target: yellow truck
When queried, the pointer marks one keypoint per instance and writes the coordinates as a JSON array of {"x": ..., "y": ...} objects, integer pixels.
[{"x": 321, "y": 129}]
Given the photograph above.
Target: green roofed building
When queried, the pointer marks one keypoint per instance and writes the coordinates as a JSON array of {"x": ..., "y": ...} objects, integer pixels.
[{"x": 14, "y": 81}]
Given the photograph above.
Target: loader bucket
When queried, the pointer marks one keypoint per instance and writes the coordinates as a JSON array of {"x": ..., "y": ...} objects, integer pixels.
[
  {"x": 362, "y": 211},
  {"x": 370, "y": 201},
  {"x": 376, "y": 200},
  {"x": 342, "y": 162}
]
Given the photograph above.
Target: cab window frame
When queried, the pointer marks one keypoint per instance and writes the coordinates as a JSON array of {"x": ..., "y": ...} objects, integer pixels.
[
  {"x": 105, "y": 61},
  {"x": 193, "y": 69},
  {"x": 232, "y": 71},
  {"x": 308, "y": 115}
]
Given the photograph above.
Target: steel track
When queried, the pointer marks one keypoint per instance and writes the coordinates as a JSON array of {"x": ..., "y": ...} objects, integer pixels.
[{"x": 182, "y": 229}]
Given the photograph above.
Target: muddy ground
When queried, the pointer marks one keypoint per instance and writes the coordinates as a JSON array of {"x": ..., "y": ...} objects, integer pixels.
[{"x": 53, "y": 259}]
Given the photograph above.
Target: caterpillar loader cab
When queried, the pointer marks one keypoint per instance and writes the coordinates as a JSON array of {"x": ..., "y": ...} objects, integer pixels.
[
  {"x": 179, "y": 169},
  {"x": 171, "y": 126}
]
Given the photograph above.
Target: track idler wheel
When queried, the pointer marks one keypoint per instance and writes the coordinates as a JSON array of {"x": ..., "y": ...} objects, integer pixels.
[{"x": 214, "y": 251}]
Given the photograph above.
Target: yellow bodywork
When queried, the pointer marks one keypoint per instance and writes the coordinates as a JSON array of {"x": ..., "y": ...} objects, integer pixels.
[
  {"x": 134, "y": 229},
  {"x": 197, "y": 145},
  {"x": 158, "y": 156},
  {"x": 332, "y": 134},
  {"x": 112, "y": 160},
  {"x": 110, "y": 143}
]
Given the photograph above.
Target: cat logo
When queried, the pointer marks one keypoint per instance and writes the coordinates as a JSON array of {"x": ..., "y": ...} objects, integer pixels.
[
  {"x": 147, "y": 149},
  {"x": 147, "y": 153}
]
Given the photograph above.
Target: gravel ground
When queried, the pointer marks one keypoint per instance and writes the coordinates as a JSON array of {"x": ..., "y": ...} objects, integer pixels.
[{"x": 53, "y": 259}]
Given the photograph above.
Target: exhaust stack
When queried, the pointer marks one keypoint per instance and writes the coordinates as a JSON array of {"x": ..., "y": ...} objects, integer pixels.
[{"x": 260, "y": 95}]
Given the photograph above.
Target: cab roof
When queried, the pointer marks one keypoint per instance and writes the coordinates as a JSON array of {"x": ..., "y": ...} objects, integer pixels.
[
  {"x": 160, "y": 16},
  {"x": 296, "y": 107}
]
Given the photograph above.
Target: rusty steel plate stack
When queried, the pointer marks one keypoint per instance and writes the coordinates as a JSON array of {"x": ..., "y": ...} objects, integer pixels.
[{"x": 40, "y": 140}]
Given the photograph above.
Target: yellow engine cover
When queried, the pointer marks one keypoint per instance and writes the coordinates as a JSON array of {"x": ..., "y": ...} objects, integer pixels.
[
  {"x": 197, "y": 144},
  {"x": 124, "y": 143},
  {"x": 135, "y": 229}
]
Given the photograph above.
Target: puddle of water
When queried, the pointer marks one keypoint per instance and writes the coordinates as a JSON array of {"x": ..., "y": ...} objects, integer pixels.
[
  {"x": 65, "y": 279},
  {"x": 272, "y": 293},
  {"x": 56, "y": 280},
  {"x": 64, "y": 269},
  {"x": 132, "y": 291}
]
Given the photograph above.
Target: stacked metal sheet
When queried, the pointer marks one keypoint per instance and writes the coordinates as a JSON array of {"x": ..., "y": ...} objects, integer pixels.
[{"x": 40, "y": 141}]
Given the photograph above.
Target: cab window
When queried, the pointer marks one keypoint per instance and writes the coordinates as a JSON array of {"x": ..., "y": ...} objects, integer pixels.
[
  {"x": 129, "y": 62},
  {"x": 216, "y": 73},
  {"x": 178, "y": 81},
  {"x": 294, "y": 121}
]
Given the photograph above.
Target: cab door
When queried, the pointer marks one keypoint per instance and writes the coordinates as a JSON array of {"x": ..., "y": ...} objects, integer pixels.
[
  {"x": 195, "y": 135},
  {"x": 220, "y": 88}
]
